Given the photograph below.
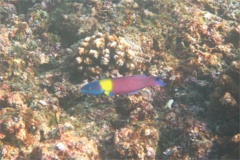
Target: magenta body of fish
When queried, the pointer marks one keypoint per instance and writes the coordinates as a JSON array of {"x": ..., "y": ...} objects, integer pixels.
[{"x": 132, "y": 84}]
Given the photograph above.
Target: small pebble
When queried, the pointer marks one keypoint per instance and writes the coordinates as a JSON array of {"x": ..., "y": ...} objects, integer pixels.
[
  {"x": 42, "y": 102},
  {"x": 168, "y": 152},
  {"x": 68, "y": 126},
  {"x": 60, "y": 146},
  {"x": 169, "y": 104}
]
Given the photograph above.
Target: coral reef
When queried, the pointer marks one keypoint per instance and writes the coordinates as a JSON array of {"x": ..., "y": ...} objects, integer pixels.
[
  {"x": 224, "y": 108},
  {"x": 4, "y": 41},
  {"x": 67, "y": 147},
  {"x": 140, "y": 142},
  {"x": 35, "y": 129},
  {"x": 49, "y": 49},
  {"x": 102, "y": 54}
]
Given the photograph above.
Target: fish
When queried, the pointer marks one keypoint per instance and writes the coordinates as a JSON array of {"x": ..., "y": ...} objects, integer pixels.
[{"x": 121, "y": 85}]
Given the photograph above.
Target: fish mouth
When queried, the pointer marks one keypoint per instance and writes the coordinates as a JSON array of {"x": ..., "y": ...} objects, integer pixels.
[{"x": 84, "y": 91}]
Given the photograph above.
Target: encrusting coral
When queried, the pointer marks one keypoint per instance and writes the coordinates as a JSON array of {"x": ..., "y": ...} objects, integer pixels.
[{"x": 140, "y": 142}]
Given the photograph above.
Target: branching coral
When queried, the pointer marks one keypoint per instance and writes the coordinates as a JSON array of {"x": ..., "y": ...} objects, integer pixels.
[{"x": 105, "y": 52}]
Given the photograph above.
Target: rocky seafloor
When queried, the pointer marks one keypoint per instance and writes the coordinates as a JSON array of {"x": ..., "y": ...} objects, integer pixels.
[{"x": 50, "y": 48}]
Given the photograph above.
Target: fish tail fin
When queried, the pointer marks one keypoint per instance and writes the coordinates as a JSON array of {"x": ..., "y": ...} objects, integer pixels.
[{"x": 159, "y": 82}]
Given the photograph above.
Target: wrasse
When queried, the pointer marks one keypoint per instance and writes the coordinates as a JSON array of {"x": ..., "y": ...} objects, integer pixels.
[{"x": 121, "y": 85}]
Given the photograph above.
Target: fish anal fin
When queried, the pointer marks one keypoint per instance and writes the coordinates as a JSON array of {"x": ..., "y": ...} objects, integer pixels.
[
  {"x": 133, "y": 92},
  {"x": 108, "y": 93}
]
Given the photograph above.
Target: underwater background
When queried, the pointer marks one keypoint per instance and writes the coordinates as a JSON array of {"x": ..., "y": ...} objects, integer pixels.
[{"x": 50, "y": 48}]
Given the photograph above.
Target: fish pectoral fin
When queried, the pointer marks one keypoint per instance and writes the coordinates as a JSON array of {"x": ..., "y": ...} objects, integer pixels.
[{"x": 108, "y": 93}]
